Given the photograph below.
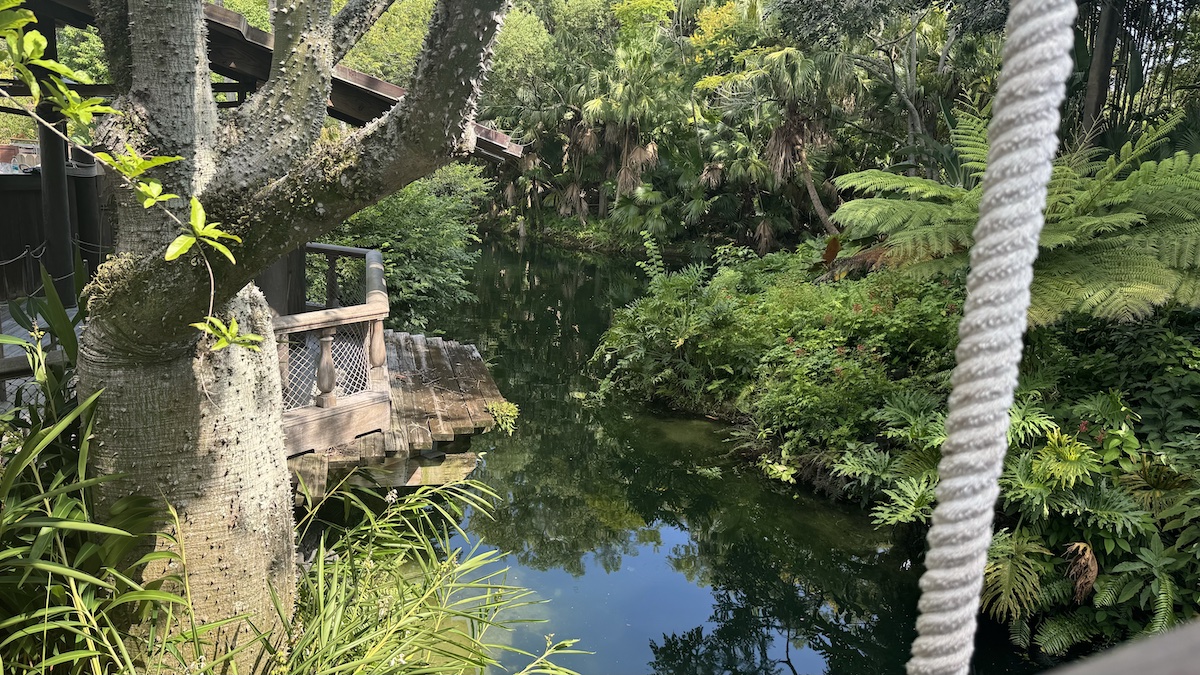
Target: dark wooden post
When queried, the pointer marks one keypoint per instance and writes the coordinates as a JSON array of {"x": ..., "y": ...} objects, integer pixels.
[{"x": 56, "y": 204}]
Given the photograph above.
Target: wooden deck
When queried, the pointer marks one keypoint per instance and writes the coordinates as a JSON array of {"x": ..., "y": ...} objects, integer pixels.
[{"x": 439, "y": 392}]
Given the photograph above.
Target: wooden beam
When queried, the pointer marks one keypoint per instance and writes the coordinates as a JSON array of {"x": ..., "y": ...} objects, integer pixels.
[{"x": 319, "y": 429}]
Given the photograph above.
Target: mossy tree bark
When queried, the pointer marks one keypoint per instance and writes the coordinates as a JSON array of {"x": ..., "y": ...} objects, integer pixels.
[{"x": 202, "y": 430}]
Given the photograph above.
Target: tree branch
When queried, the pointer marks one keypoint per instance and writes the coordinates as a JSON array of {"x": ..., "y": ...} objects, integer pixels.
[
  {"x": 423, "y": 131},
  {"x": 350, "y": 24},
  {"x": 278, "y": 124},
  {"x": 112, "y": 21}
]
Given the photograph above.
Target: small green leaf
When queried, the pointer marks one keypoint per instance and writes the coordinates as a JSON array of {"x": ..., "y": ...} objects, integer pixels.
[
  {"x": 181, "y": 245},
  {"x": 221, "y": 248},
  {"x": 198, "y": 216}
]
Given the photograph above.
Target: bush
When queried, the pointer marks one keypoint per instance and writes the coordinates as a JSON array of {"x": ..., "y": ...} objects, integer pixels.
[
  {"x": 846, "y": 382},
  {"x": 757, "y": 340},
  {"x": 425, "y": 232}
]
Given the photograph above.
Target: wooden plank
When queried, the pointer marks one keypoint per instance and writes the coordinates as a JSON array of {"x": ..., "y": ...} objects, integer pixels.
[
  {"x": 415, "y": 423},
  {"x": 486, "y": 384},
  {"x": 446, "y": 387},
  {"x": 319, "y": 429},
  {"x": 397, "y": 433},
  {"x": 427, "y": 399},
  {"x": 448, "y": 469},
  {"x": 313, "y": 469},
  {"x": 468, "y": 373},
  {"x": 329, "y": 318}
]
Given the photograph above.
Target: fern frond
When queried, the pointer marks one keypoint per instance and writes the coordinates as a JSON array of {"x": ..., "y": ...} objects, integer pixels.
[
  {"x": 1164, "y": 606},
  {"x": 1056, "y": 592},
  {"x": 1108, "y": 589},
  {"x": 1058, "y": 634},
  {"x": 969, "y": 138},
  {"x": 863, "y": 218},
  {"x": 1019, "y": 633},
  {"x": 879, "y": 183}
]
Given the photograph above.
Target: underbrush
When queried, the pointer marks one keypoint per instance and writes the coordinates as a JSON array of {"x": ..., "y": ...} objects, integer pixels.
[
  {"x": 843, "y": 384},
  {"x": 383, "y": 590}
]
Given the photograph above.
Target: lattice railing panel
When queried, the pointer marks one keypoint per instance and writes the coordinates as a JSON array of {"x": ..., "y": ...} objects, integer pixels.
[{"x": 302, "y": 355}]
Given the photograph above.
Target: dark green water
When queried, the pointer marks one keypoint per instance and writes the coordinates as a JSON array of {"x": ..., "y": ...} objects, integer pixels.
[{"x": 661, "y": 554}]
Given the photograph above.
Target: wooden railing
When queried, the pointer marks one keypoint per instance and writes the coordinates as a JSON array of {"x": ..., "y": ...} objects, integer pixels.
[{"x": 333, "y": 360}]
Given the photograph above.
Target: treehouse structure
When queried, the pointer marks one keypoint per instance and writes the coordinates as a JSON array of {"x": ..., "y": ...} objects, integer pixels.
[{"x": 353, "y": 393}]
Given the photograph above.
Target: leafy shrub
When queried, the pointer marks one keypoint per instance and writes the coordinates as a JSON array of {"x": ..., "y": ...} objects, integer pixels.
[
  {"x": 1098, "y": 525},
  {"x": 425, "y": 232},
  {"x": 389, "y": 593},
  {"x": 757, "y": 339}
]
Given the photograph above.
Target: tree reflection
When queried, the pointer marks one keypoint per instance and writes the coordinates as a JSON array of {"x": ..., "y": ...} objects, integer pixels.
[{"x": 797, "y": 582}]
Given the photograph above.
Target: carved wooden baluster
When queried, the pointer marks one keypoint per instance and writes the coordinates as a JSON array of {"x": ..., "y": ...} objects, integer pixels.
[{"x": 326, "y": 375}]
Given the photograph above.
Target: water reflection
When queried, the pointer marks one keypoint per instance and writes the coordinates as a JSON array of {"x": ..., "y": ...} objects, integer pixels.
[{"x": 656, "y": 550}]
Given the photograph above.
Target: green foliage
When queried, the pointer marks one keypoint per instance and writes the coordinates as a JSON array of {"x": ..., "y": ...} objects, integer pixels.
[
  {"x": 425, "y": 232},
  {"x": 844, "y": 384},
  {"x": 809, "y": 363},
  {"x": 505, "y": 413},
  {"x": 392, "y": 593},
  {"x": 388, "y": 593},
  {"x": 1122, "y": 232},
  {"x": 1013, "y": 576}
]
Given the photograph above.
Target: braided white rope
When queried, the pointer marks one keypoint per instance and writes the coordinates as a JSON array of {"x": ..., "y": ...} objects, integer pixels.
[{"x": 1024, "y": 139}]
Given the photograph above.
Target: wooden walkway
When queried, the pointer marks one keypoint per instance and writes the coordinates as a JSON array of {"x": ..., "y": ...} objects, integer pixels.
[{"x": 440, "y": 391}]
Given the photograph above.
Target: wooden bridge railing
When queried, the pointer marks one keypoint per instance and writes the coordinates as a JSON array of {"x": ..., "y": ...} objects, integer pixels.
[{"x": 333, "y": 360}]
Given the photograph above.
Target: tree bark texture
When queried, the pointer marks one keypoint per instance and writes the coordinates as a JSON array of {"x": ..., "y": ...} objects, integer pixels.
[
  {"x": 813, "y": 195},
  {"x": 202, "y": 430},
  {"x": 1100, "y": 68}
]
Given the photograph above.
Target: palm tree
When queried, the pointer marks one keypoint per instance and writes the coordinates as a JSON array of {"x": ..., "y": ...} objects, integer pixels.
[{"x": 797, "y": 95}]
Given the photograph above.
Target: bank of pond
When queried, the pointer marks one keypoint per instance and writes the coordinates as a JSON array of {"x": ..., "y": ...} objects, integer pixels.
[{"x": 655, "y": 537}]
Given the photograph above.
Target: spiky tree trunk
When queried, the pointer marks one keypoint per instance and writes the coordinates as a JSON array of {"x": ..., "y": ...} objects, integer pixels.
[{"x": 202, "y": 430}]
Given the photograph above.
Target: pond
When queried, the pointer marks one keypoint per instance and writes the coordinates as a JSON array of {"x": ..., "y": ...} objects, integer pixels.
[{"x": 652, "y": 544}]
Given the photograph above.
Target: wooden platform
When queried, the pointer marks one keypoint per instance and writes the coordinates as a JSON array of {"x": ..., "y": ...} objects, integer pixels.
[{"x": 439, "y": 392}]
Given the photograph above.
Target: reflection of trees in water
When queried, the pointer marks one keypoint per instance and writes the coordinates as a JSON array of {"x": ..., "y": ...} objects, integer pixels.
[{"x": 786, "y": 571}]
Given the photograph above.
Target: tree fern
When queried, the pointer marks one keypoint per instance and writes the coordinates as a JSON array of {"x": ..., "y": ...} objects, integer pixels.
[{"x": 1121, "y": 236}]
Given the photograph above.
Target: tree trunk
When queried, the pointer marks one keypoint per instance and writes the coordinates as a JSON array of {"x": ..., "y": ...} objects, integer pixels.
[
  {"x": 814, "y": 197},
  {"x": 1100, "y": 69},
  {"x": 202, "y": 432}
]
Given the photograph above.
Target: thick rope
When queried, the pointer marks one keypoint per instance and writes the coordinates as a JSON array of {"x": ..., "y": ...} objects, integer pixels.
[{"x": 1024, "y": 139}]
